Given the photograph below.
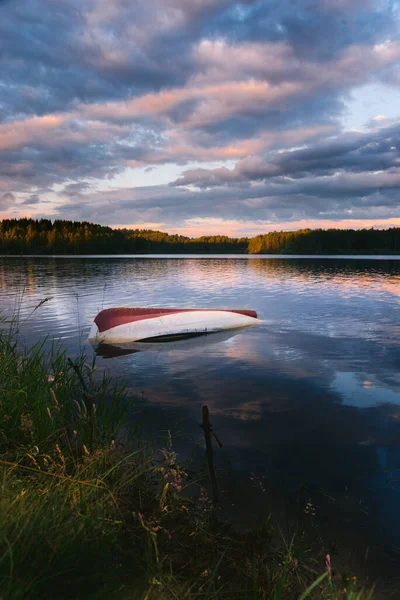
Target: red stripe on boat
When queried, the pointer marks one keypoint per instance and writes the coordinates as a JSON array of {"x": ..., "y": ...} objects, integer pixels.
[{"x": 112, "y": 317}]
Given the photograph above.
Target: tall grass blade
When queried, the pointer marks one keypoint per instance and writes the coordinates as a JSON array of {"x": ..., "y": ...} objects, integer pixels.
[{"x": 315, "y": 584}]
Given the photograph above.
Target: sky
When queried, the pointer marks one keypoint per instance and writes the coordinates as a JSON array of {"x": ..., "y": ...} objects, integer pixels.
[{"x": 201, "y": 116}]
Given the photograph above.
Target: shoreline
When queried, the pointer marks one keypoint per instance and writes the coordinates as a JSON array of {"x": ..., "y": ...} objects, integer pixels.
[
  {"x": 25, "y": 236},
  {"x": 214, "y": 256}
]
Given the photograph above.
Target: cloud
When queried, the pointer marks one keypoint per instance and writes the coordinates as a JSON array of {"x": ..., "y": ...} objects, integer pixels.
[
  {"x": 350, "y": 153},
  {"x": 90, "y": 51},
  {"x": 43, "y": 151},
  {"x": 6, "y": 200},
  {"x": 265, "y": 82},
  {"x": 91, "y": 89},
  {"x": 33, "y": 199},
  {"x": 355, "y": 196},
  {"x": 74, "y": 190}
]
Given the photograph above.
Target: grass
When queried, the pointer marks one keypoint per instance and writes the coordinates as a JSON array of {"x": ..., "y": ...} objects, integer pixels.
[{"x": 89, "y": 510}]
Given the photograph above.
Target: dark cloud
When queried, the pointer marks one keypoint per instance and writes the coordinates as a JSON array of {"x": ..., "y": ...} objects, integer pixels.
[
  {"x": 55, "y": 55},
  {"x": 75, "y": 189},
  {"x": 89, "y": 88},
  {"x": 33, "y": 199},
  {"x": 316, "y": 29},
  {"x": 356, "y": 196},
  {"x": 6, "y": 200},
  {"x": 351, "y": 153},
  {"x": 47, "y": 151}
]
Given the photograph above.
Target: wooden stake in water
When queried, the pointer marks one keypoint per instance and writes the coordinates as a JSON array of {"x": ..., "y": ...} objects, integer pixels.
[{"x": 208, "y": 430}]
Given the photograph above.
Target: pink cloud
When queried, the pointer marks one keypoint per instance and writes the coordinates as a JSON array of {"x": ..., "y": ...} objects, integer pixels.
[
  {"x": 248, "y": 228},
  {"x": 242, "y": 79},
  {"x": 216, "y": 95},
  {"x": 54, "y": 130},
  {"x": 278, "y": 62},
  {"x": 223, "y": 88},
  {"x": 17, "y": 133},
  {"x": 214, "y": 102}
]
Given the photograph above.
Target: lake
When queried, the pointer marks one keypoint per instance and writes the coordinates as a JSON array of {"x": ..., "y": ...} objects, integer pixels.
[{"x": 307, "y": 404}]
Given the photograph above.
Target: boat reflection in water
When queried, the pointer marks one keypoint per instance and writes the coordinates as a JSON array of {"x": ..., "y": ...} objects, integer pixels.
[{"x": 169, "y": 343}]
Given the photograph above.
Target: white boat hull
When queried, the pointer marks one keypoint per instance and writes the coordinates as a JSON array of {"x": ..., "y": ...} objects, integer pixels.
[{"x": 175, "y": 324}]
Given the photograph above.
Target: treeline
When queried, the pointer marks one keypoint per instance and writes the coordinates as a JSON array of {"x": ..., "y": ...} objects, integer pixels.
[
  {"x": 328, "y": 241},
  {"x": 29, "y": 236}
]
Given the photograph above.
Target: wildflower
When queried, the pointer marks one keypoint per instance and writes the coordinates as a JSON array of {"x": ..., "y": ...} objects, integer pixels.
[
  {"x": 169, "y": 456},
  {"x": 328, "y": 563},
  {"x": 176, "y": 483}
]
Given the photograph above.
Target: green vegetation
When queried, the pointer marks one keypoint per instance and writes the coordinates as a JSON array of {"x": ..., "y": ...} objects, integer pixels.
[
  {"x": 89, "y": 510},
  {"x": 328, "y": 241},
  {"x": 29, "y": 236}
]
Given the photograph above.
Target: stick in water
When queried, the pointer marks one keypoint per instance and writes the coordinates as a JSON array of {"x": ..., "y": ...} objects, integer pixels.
[{"x": 210, "y": 457}]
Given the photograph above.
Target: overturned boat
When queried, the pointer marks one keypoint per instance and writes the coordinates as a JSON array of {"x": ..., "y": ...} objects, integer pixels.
[{"x": 133, "y": 324}]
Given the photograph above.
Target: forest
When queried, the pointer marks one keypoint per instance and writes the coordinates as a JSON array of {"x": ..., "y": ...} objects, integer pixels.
[
  {"x": 43, "y": 236},
  {"x": 328, "y": 241}
]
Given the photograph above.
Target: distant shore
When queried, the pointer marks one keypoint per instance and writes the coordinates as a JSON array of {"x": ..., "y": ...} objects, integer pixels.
[
  {"x": 210, "y": 255},
  {"x": 45, "y": 237}
]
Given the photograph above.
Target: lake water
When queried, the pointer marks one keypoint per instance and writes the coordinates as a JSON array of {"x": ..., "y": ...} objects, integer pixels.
[{"x": 308, "y": 402}]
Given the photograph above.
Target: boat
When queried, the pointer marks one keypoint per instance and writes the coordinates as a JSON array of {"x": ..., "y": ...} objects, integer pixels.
[{"x": 135, "y": 324}]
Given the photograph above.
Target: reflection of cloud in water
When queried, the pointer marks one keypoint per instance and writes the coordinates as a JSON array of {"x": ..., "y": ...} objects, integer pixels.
[
  {"x": 271, "y": 371},
  {"x": 213, "y": 273},
  {"x": 379, "y": 358},
  {"x": 363, "y": 394}
]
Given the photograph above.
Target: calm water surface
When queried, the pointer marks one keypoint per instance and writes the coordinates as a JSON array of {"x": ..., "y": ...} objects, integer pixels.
[{"x": 309, "y": 401}]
